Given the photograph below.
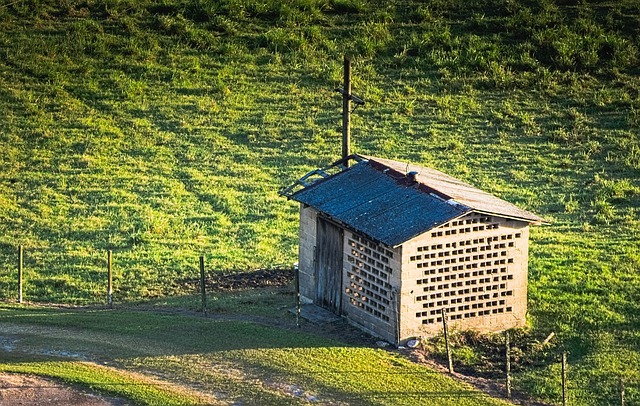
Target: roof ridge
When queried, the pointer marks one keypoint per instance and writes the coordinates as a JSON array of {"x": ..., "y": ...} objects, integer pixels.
[{"x": 484, "y": 201}]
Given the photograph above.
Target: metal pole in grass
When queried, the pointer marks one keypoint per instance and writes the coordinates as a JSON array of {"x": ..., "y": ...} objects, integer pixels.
[
  {"x": 110, "y": 279},
  {"x": 203, "y": 290},
  {"x": 564, "y": 378},
  {"x": 621, "y": 391},
  {"x": 446, "y": 340},
  {"x": 20, "y": 259},
  {"x": 507, "y": 340},
  {"x": 297, "y": 277}
]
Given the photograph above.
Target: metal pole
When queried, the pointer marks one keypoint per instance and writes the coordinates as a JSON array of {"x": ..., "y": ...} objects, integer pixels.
[
  {"x": 564, "y": 379},
  {"x": 297, "y": 271},
  {"x": 20, "y": 259},
  {"x": 203, "y": 290},
  {"x": 110, "y": 279},
  {"x": 446, "y": 340},
  {"x": 621, "y": 391},
  {"x": 346, "y": 110},
  {"x": 508, "y": 365}
]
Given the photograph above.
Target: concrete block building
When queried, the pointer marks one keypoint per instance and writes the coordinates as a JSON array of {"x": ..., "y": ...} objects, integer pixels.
[{"x": 388, "y": 246}]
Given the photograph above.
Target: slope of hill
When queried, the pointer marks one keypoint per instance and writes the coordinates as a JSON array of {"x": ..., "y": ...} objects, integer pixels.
[{"x": 163, "y": 131}]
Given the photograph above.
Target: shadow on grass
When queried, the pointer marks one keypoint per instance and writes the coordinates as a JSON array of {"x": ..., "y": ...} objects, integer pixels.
[{"x": 250, "y": 332}]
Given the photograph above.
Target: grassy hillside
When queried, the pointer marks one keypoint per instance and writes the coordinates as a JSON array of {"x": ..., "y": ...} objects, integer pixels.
[{"x": 163, "y": 131}]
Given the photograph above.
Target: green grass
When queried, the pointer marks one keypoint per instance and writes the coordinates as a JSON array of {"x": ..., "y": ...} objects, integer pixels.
[
  {"x": 236, "y": 361},
  {"x": 134, "y": 387},
  {"x": 163, "y": 131}
]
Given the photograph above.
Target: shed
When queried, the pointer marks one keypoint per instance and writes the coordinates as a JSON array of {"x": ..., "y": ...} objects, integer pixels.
[{"x": 388, "y": 246}]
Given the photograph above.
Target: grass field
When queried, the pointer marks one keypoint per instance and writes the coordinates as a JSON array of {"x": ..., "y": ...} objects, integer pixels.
[
  {"x": 195, "y": 361},
  {"x": 164, "y": 130}
]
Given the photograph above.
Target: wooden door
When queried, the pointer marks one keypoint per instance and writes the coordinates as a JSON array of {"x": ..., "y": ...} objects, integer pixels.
[{"x": 328, "y": 265}]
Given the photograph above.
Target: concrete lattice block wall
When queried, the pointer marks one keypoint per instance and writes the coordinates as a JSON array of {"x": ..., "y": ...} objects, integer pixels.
[{"x": 475, "y": 268}]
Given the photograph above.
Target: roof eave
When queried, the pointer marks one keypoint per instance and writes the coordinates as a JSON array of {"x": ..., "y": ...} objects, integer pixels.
[
  {"x": 533, "y": 220},
  {"x": 320, "y": 174}
]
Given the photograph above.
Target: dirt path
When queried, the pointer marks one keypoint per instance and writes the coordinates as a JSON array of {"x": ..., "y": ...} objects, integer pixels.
[
  {"x": 27, "y": 390},
  {"x": 30, "y": 390},
  {"x": 16, "y": 389}
]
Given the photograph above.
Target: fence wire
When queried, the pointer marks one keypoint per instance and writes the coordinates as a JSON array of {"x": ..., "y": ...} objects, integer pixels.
[{"x": 599, "y": 388}]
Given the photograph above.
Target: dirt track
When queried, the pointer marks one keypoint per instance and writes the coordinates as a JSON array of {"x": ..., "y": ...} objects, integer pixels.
[{"x": 18, "y": 389}]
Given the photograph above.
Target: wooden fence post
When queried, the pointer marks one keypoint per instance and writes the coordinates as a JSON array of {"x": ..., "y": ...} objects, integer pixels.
[
  {"x": 297, "y": 276},
  {"x": 446, "y": 340},
  {"x": 203, "y": 290},
  {"x": 508, "y": 363},
  {"x": 564, "y": 379},
  {"x": 346, "y": 111},
  {"x": 110, "y": 279},
  {"x": 20, "y": 259}
]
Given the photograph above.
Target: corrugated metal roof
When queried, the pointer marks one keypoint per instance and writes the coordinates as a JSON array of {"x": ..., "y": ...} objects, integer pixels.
[
  {"x": 461, "y": 192},
  {"x": 376, "y": 198}
]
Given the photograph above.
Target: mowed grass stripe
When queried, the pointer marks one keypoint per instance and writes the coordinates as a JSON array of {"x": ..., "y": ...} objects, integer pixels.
[{"x": 137, "y": 388}]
